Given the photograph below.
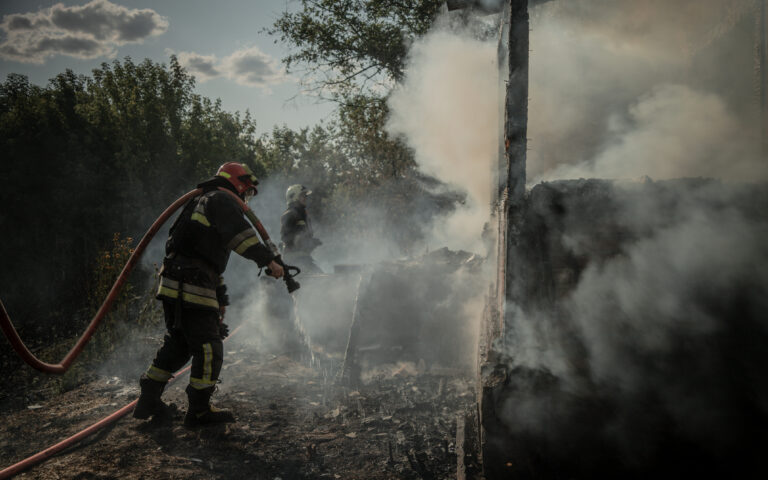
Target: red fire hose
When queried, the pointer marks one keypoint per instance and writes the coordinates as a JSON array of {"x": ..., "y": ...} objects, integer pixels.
[
  {"x": 40, "y": 456},
  {"x": 60, "y": 368},
  {"x": 63, "y": 366},
  {"x": 254, "y": 220},
  {"x": 52, "y": 450}
]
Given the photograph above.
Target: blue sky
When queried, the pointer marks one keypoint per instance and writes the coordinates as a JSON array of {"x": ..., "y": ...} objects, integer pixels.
[{"x": 222, "y": 43}]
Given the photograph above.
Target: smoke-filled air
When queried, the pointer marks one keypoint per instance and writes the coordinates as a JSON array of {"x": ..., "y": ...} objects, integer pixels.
[
  {"x": 635, "y": 336},
  {"x": 448, "y": 111},
  {"x": 622, "y": 89},
  {"x": 519, "y": 239}
]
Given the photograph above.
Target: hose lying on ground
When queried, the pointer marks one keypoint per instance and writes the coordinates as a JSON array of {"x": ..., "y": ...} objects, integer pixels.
[
  {"x": 21, "y": 349},
  {"x": 108, "y": 420}
]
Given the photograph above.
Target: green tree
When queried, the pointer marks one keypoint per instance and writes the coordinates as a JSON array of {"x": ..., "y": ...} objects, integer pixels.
[
  {"x": 352, "y": 52},
  {"x": 351, "y": 46},
  {"x": 89, "y": 156},
  {"x": 376, "y": 154}
]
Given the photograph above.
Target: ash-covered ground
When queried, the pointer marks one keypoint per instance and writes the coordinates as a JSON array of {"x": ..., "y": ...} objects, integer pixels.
[
  {"x": 298, "y": 415},
  {"x": 293, "y": 422}
]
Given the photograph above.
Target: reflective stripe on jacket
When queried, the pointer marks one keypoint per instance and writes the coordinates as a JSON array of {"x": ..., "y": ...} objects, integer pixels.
[
  {"x": 200, "y": 296},
  {"x": 211, "y": 226},
  {"x": 199, "y": 244}
]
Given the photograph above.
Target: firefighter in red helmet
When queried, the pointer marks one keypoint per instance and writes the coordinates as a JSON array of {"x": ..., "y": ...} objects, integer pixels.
[{"x": 209, "y": 228}]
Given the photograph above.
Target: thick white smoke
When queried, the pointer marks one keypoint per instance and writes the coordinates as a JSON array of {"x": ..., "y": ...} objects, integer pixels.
[
  {"x": 625, "y": 88},
  {"x": 447, "y": 110}
]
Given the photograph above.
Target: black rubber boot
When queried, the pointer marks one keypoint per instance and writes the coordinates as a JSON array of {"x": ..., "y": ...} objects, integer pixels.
[
  {"x": 201, "y": 412},
  {"x": 149, "y": 403}
]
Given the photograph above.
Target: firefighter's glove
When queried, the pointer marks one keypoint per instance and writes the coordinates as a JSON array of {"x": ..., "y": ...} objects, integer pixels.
[
  {"x": 223, "y": 330},
  {"x": 221, "y": 295},
  {"x": 274, "y": 269}
]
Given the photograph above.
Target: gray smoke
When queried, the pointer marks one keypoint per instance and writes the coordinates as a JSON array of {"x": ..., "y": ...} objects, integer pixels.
[
  {"x": 363, "y": 244},
  {"x": 447, "y": 111},
  {"x": 637, "y": 339},
  {"x": 424, "y": 301},
  {"x": 657, "y": 340},
  {"x": 664, "y": 89}
]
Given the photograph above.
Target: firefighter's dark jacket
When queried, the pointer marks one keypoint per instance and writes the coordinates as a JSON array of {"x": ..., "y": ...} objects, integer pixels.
[
  {"x": 209, "y": 227},
  {"x": 295, "y": 231}
]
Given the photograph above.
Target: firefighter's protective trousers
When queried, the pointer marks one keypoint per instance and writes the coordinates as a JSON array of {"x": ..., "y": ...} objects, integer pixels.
[{"x": 195, "y": 334}]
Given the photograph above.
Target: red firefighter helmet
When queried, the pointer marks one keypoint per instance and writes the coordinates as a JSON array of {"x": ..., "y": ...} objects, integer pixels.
[{"x": 239, "y": 175}]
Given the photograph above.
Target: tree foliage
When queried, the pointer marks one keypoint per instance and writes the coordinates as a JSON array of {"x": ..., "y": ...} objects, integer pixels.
[
  {"x": 352, "y": 52},
  {"x": 351, "y": 46},
  {"x": 85, "y": 157}
]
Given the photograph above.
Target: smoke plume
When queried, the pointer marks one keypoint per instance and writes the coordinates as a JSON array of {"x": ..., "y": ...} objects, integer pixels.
[
  {"x": 447, "y": 110},
  {"x": 412, "y": 306},
  {"x": 664, "y": 89}
]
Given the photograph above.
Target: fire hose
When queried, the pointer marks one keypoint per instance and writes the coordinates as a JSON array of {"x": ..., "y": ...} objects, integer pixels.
[
  {"x": 108, "y": 420},
  {"x": 18, "y": 345},
  {"x": 21, "y": 349}
]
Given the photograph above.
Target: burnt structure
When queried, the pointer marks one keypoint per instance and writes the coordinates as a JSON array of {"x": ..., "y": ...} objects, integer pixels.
[{"x": 579, "y": 378}]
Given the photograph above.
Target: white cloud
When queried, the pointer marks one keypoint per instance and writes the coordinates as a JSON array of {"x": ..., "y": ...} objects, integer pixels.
[
  {"x": 253, "y": 67},
  {"x": 249, "y": 66},
  {"x": 86, "y": 31},
  {"x": 202, "y": 66}
]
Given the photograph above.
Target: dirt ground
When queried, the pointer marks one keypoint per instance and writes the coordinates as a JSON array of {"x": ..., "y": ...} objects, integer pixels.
[{"x": 294, "y": 421}]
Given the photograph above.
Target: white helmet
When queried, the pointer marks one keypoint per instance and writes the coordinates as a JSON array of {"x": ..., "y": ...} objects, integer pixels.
[{"x": 294, "y": 192}]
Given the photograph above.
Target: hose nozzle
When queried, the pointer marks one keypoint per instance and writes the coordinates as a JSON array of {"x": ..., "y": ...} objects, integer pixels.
[{"x": 290, "y": 282}]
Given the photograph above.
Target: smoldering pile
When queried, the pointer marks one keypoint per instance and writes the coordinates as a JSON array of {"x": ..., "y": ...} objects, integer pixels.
[
  {"x": 419, "y": 310},
  {"x": 393, "y": 352},
  {"x": 638, "y": 342}
]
